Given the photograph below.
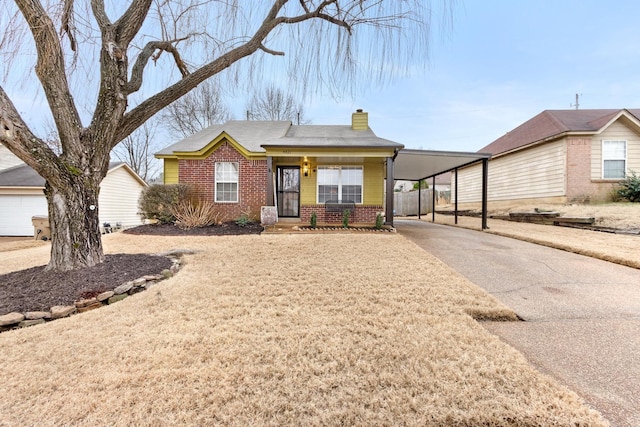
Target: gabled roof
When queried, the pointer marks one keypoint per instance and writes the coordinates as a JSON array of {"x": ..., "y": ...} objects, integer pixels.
[
  {"x": 553, "y": 124},
  {"x": 25, "y": 176},
  {"x": 255, "y": 135},
  {"x": 249, "y": 134}
]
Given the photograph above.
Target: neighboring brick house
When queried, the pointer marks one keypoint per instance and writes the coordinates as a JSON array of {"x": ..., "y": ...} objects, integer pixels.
[
  {"x": 559, "y": 156},
  {"x": 241, "y": 166}
]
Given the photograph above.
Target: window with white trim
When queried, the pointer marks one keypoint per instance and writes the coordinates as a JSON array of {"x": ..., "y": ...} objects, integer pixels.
[
  {"x": 226, "y": 185},
  {"x": 340, "y": 183},
  {"x": 614, "y": 159}
]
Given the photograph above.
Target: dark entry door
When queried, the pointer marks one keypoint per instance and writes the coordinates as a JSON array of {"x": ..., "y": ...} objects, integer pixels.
[{"x": 288, "y": 189}]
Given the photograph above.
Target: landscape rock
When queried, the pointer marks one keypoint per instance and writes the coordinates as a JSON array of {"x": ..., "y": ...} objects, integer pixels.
[
  {"x": 123, "y": 289},
  {"x": 11, "y": 319},
  {"x": 35, "y": 315},
  {"x": 139, "y": 282},
  {"x": 105, "y": 295},
  {"x": 96, "y": 304},
  {"x": 151, "y": 277},
  {"x": 86, "y": 302},
  {"x": 117, "y": 298},
  {"x": 60, "y": 311},
  {"x": 167, "y": 273},
  {"x": 31, "y": 322}
]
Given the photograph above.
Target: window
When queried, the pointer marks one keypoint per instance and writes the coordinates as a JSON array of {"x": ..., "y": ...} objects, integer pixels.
[
  {"x": 614, "y": 159},
  {"x": 340, "y": 183},
  {"x": 227, "y": 182}
]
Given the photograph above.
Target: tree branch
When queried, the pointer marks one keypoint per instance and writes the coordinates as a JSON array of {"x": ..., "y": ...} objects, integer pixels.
[
  {"x": 271, "y": 52},
  {"x": 148, "y": 53},
  {"x": 50, "y": 69},
  {"x": 18, "y": 138},
  {"x": 128, "y": 25},
  {"x": 67, "y": 17}
]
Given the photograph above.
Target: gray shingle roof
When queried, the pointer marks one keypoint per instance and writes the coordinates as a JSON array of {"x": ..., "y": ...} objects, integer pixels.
[
  {"x": 554, "y": 123},
  {"x": 24, "y": 176},
  {"x": 255, "y": 135}
]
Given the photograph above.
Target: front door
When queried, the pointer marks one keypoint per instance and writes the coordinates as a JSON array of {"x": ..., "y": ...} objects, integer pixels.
[{"x": 288, "y": 189}]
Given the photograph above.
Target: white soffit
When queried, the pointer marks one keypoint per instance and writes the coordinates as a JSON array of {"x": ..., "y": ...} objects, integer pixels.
[{"x": 413, "y": 165}]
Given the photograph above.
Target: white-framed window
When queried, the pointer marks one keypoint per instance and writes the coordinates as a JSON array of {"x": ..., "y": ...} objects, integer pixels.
[
  {"x": 614, "y": 159},
  {"x": 226, "y": 185},
  {"x": 340, "y": 183}
]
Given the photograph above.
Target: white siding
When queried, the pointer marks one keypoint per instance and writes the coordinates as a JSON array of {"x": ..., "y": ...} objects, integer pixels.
[
  {"x": 118, "y": 201},
  {"x": 618, "y": 132},
  {"x": 533, "y": 173},
  {"x": 7, "y": 158}
]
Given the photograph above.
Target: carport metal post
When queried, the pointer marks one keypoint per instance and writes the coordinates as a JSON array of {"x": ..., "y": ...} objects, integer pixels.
[
  {"x": 419, "y": 199},
  {"x": 433, "y": 200},
  {"x": 389, "y": 202},
  {"x": 485, "y": 185},
  {"x": 455, "y": 208}
]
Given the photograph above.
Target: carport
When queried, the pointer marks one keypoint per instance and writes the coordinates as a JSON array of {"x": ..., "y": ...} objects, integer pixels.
[{"x": 417, "y": 165}]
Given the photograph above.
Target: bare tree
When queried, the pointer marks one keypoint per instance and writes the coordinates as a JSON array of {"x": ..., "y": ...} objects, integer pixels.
[
  {"x": 90, "y": 61},
  {"x": 137, "y": 151},
  {"x": 273, "y": 104},
  {"x": 200, "y": 108}
]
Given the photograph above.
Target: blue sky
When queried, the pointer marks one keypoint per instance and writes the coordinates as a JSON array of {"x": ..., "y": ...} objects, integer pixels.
[{"x": 502, "y": 63}]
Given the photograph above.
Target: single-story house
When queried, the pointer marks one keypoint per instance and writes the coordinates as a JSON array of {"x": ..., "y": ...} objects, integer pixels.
[
  {"x": 22, "y": 197},
  {"x": 559, "y": 156},
  {"x": 241, "y": 166}
]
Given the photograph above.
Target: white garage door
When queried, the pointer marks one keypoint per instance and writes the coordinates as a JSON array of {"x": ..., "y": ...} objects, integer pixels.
[{"x": 16, "y": 213}]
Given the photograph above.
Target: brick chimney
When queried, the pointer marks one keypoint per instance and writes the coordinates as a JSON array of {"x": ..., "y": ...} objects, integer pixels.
[{"x": 360, "y": 120}]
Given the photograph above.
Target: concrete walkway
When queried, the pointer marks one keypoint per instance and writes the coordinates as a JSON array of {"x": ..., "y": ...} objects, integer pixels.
[{"x": 582, "y": 315}]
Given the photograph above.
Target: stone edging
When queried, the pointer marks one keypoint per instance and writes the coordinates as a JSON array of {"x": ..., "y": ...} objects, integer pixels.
[{"x": 17, "y": 320}]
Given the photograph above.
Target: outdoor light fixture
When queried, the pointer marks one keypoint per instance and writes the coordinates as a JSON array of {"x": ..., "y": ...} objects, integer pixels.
[{"x": 305, "y": 168}]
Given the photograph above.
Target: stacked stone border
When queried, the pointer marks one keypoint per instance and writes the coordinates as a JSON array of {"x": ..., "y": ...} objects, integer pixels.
[{"x": 17, "y": 320}]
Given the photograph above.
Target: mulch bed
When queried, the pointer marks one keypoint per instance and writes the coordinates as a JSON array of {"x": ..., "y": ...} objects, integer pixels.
[{"x": 34, "y": 289}]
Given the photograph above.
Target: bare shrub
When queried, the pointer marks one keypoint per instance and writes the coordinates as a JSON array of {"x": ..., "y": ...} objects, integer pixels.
[
  {"x": 191, "y": 214},
  {"x": 157, "y": 201}
]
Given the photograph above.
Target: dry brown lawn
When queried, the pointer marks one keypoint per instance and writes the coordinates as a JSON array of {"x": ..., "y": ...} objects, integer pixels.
[{"x": 353, "y": 329}]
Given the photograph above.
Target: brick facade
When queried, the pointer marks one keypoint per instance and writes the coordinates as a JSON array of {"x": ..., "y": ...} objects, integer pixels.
[
  {"x": 252, "y": 186},
  {"x": 364, "y": 214},
  {"x": 200, "y": 175},
  {"x": 578, "y": 176}
]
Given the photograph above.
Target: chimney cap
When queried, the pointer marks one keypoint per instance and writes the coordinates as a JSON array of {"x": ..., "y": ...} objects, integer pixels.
[{"x": 359, "y": 110}]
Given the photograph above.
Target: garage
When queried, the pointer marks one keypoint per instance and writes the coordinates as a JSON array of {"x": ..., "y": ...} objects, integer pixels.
[{"x": 16, "y": 212}]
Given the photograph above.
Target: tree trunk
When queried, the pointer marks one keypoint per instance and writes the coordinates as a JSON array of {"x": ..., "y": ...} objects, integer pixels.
[{"x": 75, "y": 227}]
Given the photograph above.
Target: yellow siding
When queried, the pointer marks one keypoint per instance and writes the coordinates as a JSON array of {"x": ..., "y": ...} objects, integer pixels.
[
  {"x": 308, "y": 185},
  {"x": 373, "y": 187},
  {"x": 536, "y": 172},
  {"x": 618, "y": 132},
  {"x": 360, "y": 121},
  {"x": 373, "y": 181},
  {"x": 171, "y": 171}
]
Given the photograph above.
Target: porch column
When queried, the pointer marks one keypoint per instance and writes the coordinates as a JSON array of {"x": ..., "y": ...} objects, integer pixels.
[
  {"x": 388, "y": 210},
  {"x": 269, "y": 177}
]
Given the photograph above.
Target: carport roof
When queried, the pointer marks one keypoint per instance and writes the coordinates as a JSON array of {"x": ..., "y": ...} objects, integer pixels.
[{"x": 414, "y": 165}]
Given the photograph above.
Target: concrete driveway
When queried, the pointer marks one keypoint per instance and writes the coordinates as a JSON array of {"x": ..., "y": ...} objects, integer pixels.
[{"x": 582, "y": 315}]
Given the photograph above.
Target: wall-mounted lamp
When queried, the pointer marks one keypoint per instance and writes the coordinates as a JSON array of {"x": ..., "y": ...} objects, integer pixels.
[{"x": 305, "y": 168}]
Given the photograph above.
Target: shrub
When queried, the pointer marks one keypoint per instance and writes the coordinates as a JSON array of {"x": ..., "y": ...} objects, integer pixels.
[
  {"x": 245, "y": 218},
  {"x": 314, "y": 220},
  {"x": 630, "y": 187},
  {"x": 379, "y": 221},
  {"x": 189, "y": 214},
  {"x": 157, "y": 200},
  {"x": 345, "y": 218}
]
